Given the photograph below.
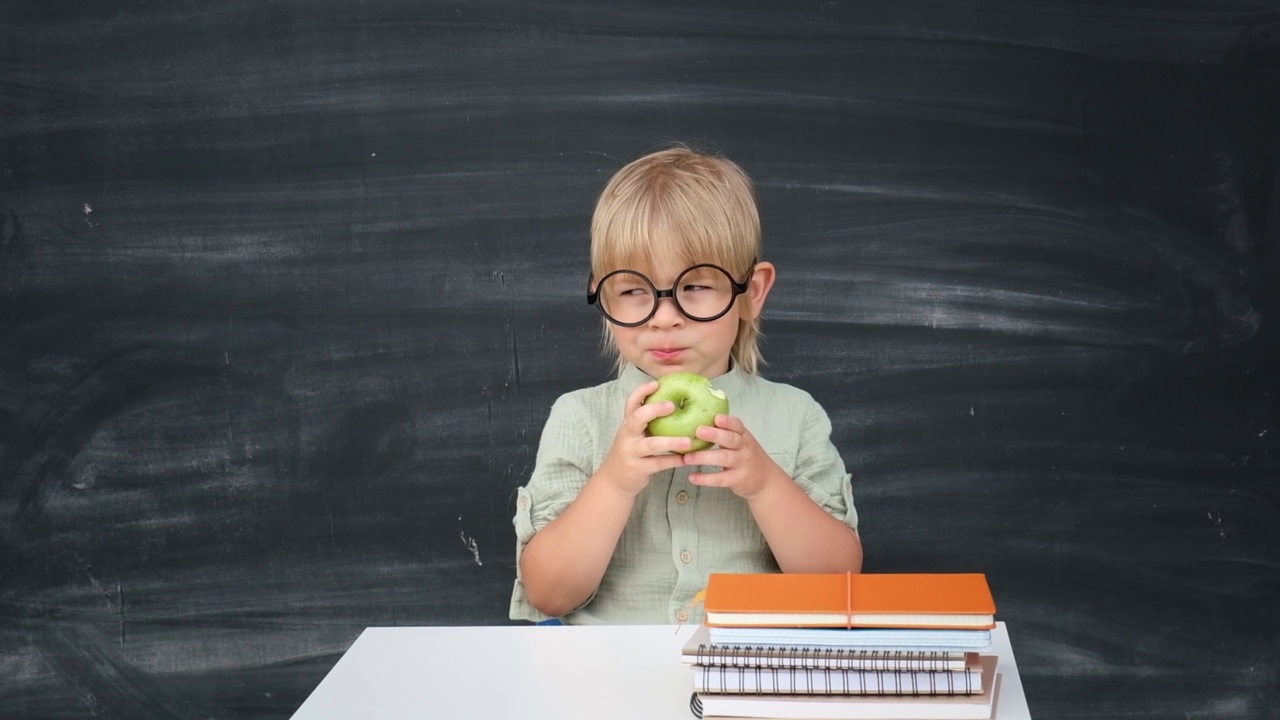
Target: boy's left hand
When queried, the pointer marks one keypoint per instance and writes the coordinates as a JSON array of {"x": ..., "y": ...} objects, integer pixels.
[{"x": 747, "y": 468}]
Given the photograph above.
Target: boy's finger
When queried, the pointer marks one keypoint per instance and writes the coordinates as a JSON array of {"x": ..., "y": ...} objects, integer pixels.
[
  {"x": 712, "y": 457},
  {"x": 660, "y": 446},
  {"x": 729, "y": 422},
  {"x": 633, "y": 417},
  {"x": 724, "y": 438},
  {"x": 661, "y": 461},
  {"x": 711, "y": 479},
  {"x": 637, "y": 396},
  {"x": 645, "y": 414}
]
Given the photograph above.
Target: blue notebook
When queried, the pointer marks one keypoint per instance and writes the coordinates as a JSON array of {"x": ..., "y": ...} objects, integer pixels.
[{"x": 905, "y": 639}]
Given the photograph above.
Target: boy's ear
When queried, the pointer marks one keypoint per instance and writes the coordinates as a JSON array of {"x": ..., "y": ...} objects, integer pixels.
[{"x": 758, "y": 288}]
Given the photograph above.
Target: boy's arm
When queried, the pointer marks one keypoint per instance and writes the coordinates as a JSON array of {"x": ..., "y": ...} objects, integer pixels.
[
  {"x": 563, "y": 563},
  {"x": 803, "y": 536}
]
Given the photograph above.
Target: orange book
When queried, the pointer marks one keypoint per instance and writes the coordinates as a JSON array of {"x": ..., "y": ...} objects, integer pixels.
[{"x": 955, "y": 601}]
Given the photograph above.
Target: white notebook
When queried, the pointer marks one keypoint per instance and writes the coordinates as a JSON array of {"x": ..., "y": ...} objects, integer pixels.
[
  {"x": 973, "y": 640},
  {"x": 790, "y": 707},
  {"x": 699, "y": 650},
  {"x": 825, "y": 681}
]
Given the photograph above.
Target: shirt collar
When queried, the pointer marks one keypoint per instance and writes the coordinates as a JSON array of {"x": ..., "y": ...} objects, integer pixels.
[{"x": 729, "y": 383}]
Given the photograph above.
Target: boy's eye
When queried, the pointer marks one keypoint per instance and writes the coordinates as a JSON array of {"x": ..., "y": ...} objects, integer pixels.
[{"x": 692, "y": 288}]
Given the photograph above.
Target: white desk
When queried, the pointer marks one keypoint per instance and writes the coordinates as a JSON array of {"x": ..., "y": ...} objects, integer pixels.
[{"x": 619, "y": 672}]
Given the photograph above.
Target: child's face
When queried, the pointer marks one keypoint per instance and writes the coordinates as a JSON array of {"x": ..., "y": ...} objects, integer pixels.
[{"x": 670, "y": 342}]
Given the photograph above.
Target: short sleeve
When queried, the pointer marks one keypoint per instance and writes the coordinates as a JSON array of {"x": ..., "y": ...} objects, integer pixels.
[
  {"x": 820, "y": 471},
  {"x": 561, "y": 470}
]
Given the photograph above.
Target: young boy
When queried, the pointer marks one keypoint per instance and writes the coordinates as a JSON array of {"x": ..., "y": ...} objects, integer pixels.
[{"x": 615, "y": 526}]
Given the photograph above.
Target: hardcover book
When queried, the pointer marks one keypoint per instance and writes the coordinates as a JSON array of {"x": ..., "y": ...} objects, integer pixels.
[{"x": 875, "y": 600}]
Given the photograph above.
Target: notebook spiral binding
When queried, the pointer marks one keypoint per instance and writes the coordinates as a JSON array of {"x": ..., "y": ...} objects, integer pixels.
[
  {"x": 824, "y": 658},
  {"x": 826, "y": 682},
  {"x": 695, "y": 705}
]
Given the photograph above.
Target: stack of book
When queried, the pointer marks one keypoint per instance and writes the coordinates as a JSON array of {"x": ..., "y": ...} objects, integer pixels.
[{"x": 845, "y": 647}]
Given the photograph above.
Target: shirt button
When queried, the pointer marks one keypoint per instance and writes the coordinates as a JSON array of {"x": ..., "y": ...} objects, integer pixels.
[
  {"x": 682, "y": 615},
  {"x": 686, "y": 557},
  {"x": 682, "y": 497}
]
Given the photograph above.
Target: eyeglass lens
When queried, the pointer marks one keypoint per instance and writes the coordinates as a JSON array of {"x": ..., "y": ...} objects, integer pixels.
[{"x": 701, "y": 293}]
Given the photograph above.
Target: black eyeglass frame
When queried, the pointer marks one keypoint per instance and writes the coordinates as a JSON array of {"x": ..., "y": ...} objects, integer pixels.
[{"x": 738, "y": 288}]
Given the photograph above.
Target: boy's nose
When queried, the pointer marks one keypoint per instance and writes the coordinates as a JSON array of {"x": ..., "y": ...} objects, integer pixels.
[{"x": 668, "y": 314}]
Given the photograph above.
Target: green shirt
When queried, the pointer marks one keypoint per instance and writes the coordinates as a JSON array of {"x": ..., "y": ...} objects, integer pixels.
[{"x": 678, "y": 532}]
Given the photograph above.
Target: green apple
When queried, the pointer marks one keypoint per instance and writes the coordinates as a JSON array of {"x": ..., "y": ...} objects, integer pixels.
[{"x": 697, "y": 403}]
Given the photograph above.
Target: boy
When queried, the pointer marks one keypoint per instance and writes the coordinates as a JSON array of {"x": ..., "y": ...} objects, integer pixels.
[{"x": 615, "y": 526}]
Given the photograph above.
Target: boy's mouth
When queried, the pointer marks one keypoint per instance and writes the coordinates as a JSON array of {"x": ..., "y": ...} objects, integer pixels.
[{"x": 666, "y": 354}]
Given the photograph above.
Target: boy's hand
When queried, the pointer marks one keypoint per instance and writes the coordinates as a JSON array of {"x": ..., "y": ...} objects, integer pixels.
[
  {"x": 747, "y": 468},
  {"x": 635, "y": 455}
]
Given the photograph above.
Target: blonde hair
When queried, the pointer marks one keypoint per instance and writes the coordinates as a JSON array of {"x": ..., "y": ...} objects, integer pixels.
[{"x": 684, "y": 205}]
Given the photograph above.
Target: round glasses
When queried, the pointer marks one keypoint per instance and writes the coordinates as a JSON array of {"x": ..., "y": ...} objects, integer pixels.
[{"x": 702, "y": 293}]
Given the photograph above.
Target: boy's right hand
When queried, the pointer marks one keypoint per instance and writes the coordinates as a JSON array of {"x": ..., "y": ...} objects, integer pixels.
[{"x": 635, "y": 454}]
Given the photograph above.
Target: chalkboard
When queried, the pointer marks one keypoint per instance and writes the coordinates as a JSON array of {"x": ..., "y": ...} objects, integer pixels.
[{"x": 287, "y": 289}]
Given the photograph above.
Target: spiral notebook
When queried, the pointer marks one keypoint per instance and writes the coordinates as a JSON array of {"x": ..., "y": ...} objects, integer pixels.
[
  {"x": 717, "y": 679},
  {"x": 711, "y": 706},
  {"x": 701, "y": 649}
]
